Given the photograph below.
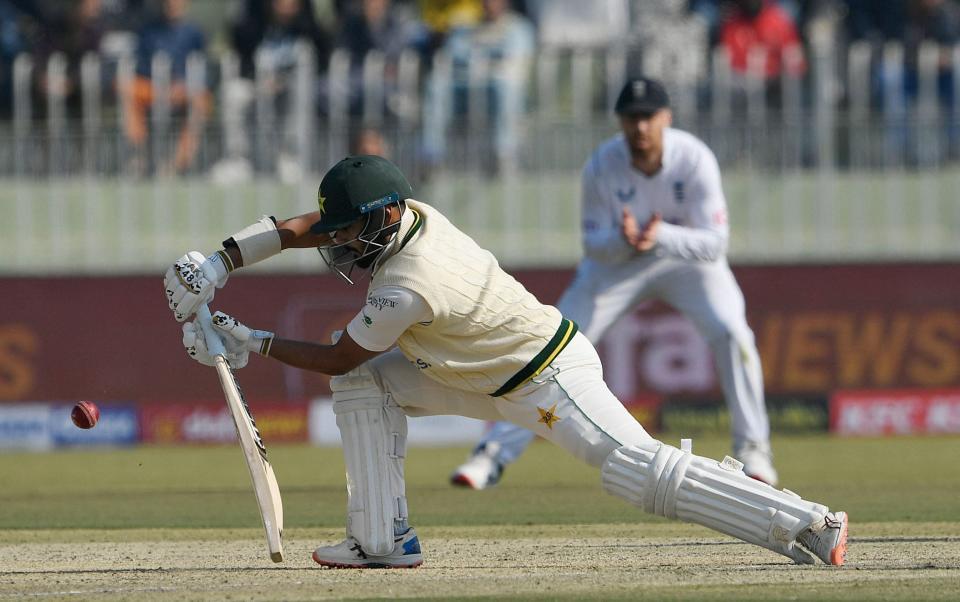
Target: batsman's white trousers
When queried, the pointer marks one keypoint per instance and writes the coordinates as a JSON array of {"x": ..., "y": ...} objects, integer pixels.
[{"x": 568, "y": 403}]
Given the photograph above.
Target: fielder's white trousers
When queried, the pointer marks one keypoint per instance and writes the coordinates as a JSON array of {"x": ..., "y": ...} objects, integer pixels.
[
  {"x": 568, "y": 403},
  {"x": 707, "y": 293}
]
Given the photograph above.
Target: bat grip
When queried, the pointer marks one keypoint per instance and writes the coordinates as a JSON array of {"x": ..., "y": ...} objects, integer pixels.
[{"x": 210, "y": 336}]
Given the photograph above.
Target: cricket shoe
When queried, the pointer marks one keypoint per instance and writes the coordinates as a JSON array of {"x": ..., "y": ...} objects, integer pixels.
[
  {"x": 482, "y": 470},
  {"x": 757, "y": 461},
  {"x": 349, "y": 554},
  {"x": 827, "y": 539}
]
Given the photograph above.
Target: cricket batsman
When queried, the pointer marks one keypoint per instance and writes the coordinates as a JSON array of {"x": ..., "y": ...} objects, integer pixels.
[
  {"x": 445, "y": 330},
  {"x": 655, "y": 227}
]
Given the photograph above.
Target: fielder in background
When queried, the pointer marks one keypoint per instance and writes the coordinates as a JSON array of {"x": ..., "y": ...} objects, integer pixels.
[
  {"x": 670, "y": 180},
  {"x": 445, "y": 330}
]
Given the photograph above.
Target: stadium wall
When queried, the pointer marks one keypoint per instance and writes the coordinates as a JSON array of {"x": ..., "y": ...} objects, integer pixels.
[{"x": 822, "y": 331}]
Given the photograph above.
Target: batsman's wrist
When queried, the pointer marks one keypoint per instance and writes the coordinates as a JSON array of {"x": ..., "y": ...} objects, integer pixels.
[
  {"x": 222, "y": 265},
  {"x": 262, "y": 340}
]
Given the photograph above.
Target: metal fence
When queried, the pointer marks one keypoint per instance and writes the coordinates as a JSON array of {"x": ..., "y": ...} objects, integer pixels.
[{"x": 853, "y": 159}]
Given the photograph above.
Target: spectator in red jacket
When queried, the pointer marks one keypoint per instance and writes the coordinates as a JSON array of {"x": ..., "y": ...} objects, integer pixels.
[{"x": 751, "y": 24}]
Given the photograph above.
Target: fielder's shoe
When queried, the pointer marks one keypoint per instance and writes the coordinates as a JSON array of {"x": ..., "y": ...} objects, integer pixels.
[
  {"x": 231, "y": 171},
  {"x": 757, "y": 461},
  {"x": 482, "y": 470},
  {"x": 349, "y": 554},
  {"x": 828, "y": 540}
]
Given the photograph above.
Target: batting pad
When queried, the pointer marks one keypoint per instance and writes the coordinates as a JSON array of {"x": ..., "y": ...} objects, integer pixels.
[
  {"x": 665, "y": 481},
  {"x": 374, "y": 434}
]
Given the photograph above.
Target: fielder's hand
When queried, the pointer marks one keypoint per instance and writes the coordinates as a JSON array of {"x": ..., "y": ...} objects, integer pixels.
[
  {"x": 192, "y": 280},
  {"x": 238, "y": 341},
  {"x": 640, "y": 238}
]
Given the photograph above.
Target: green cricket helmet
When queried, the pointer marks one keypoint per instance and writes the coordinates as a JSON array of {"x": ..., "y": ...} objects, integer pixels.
[
  {"x": 355, "y": 187},
  {"x": 359, "y": 188}
]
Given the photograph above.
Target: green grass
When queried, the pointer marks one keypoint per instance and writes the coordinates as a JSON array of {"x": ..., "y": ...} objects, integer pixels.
[
  {"x": 174, "y": 523},
  {"x": 875, "y": 480}
]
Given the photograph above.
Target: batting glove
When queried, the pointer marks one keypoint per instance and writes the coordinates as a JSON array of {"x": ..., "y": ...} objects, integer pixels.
[
  {"x": 192, "y": 280},
  {"x": 238, "y": 341}
]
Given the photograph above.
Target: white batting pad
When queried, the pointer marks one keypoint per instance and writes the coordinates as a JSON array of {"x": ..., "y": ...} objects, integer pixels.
[
  {"x": 665, "y": 481},
  {"x": 374, "y": 436}
]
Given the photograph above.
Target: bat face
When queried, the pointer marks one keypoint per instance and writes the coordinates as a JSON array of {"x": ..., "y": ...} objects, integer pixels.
[
  {"x": 251, "y": 443},
  {"x": 255, "y": 432},
  {"x": 255, "y": 452}
]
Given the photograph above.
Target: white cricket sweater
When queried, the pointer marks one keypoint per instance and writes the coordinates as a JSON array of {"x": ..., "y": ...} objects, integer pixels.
[{"x": 488, "y": 334}]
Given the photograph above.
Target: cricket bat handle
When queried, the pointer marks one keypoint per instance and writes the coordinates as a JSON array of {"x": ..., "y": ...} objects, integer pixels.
[{"x": 210, "y": 336}]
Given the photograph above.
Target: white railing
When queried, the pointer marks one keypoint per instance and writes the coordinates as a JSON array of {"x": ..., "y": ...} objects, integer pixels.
[{"x": 824, "y": 175}]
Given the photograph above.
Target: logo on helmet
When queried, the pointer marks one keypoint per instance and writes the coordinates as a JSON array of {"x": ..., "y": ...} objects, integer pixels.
[
  {"x": 383, "y": 201},
  {"x": 321, "y": 200}
]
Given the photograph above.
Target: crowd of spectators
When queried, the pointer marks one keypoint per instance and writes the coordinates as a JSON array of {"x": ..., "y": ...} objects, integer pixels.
[
  {"x": 267, "y": 33},
  {"x": 504, "y": 33}
]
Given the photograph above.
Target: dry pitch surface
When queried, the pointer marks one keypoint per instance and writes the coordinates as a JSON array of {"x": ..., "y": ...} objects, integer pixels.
[{"x": 596, "y": 562}]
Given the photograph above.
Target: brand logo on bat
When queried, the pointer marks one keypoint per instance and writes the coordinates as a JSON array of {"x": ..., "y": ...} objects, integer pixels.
[{"x": 261, "y": 448}]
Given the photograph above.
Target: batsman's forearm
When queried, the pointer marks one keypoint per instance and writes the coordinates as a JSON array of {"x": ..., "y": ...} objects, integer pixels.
[
  {"x": 292, "y": 233},
  {"x": 310, "y": 356},
  {"x": 295, "y": 232}
]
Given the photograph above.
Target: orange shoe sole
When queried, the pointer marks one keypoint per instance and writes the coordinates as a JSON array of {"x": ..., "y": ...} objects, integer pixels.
[{"x": 838, "y": 555}]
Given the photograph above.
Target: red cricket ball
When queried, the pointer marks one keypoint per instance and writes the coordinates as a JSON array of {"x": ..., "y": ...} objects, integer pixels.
[{"x": 85, "y": 414}]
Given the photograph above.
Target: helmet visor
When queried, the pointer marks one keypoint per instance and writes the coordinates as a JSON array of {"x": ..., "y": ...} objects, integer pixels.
[{"x": 341, "y": 256}]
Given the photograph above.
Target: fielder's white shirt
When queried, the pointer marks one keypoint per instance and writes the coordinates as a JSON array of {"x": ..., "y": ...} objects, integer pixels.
[{"x": 686, "y": 191}]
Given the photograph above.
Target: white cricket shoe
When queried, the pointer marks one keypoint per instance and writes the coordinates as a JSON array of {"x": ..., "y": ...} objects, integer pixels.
[
  {"x": 349, "y": 554},
  {"x": 482, "y": 470},
  {"x": 757, "y": 461},
  {"x": 828, "y": 539}
]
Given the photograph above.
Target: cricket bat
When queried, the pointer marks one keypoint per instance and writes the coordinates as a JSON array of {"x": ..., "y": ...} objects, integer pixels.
[{"x": 261, "y": 472}]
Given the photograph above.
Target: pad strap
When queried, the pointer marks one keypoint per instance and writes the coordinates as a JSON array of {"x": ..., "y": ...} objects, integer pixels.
[{"x": 258, "y": 241}]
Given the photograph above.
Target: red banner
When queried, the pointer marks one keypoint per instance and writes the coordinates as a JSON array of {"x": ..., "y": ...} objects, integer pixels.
[
  {"x": 818, "y": 328},
  {"x": 211, "y": 422},
  {"x": 646, "y": 409},
  {"x": 115, "y": 338},
  {"x": 895, "y": 412}
]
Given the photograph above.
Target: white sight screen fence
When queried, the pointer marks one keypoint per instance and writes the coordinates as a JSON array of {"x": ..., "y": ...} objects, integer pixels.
[{"x": 816, "y": 169}]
